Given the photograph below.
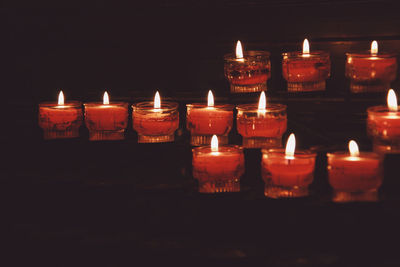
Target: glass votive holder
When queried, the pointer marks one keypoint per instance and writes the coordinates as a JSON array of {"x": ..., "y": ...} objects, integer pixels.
[
  {"x": 203, "y": 122},
  {"x": 60, "y": 121},
  {"x": 383, "y": 126},
  {"x": 248, "y": 74},
  {"x": 355, "y": 178},
  {"x": 106, "y": 121},
  {"x": 220, "y": 171},
  {"x": 370, "y": 73},
  {"x": 306, "y": 72},
  {"x": 261, "y": 129},
  {"x": 155, "y": 125},
  {"x": 287, "y": 177}
]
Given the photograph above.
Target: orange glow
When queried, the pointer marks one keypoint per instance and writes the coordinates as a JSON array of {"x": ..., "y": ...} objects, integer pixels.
[
  {"x": 392, "y": 100},
  {"x": 290, "y": 147},
  {"x": 106, "y": 98},
  {"x": 214, "y": 143},
  {"x": 374, "y": 48},
  {"x": 157, "y": 100},
  {"x": 239, "y": 50},
  {"x": 306, "y": 48},
  {"x": 353, "y": 148},
  {"x": 61, "y": 98},
  {"x": 210, "y": 99}
]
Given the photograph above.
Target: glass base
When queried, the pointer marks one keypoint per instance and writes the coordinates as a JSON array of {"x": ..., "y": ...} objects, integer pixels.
[
  {"x": 368, "y": 88},
  {"x": 274, "y": 191},
  {"x": 390, "y": 148},
  {"x": 219, "y": 186},
  {"x": 47, "y": 135},
  {"x": 106, "y": 135},
  {"x": 368, "y": 196},
  {"x": 200, "y": 140},
  {"x": 262, "y": 142},
  {"x": 306, "y": 86},
  {"x": 156, "y": 138},
  {"x": 251, "y": 88}
]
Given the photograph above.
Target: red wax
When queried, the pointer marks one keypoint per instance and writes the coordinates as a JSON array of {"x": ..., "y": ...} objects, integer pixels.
[
  {"x": 306, "y": 69},
  {"x": 350, "y": 174},
  {"x": 261, "y": 126},
  {"x": 369, "y": 68},
  {"x": 202, "y": 120},
  {"x": 60, "y": 121},
  {"x": 383, "y": 123},
  {"x": 248, "y": 74},
  {"x": 155, "y": 123}
]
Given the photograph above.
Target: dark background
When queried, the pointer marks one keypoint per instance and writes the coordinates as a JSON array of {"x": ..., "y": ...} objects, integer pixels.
[{"x": 120, "y": 203}]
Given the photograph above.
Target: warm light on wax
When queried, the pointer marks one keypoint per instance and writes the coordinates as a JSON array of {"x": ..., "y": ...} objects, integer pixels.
[
  {"x": 239, "y": 51},
  {"x": 353, "y": 148},
  {"x": 392, "y": 100},
  {"x": 106, "y": 98},
  {"x": 306, "y": 48},
  {"x": 61, "y": 98},
  {"x": 290, "y": 147},
  {"x": 157, "y": 101},
  {"x": 214, "y": 143},
  {"x": 374, "y": 48},
  {"x": 210, "y": 99}
]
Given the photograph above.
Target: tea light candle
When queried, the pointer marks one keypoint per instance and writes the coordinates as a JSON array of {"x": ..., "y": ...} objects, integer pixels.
[
  {"x": 383, "y": 125},
  {"x": 247, "y": 72},
  {"x": 306, "y": 71},
  {"x": 203, "y": 121},
  {"x": 218, "y": 169},
  {"x": 261, "y": 125},
  {"x": 287, "y": 173},
  {"x": 371, "y": 72},
  {"x": 155, "y": 122},
  {"x": 355, "y": 176},
  {"x": 106, "y": 121},
  {"x": 60, "y": 120}
]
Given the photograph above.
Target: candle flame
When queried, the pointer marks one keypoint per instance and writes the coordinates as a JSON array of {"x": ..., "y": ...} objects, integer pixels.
[
  {"x": 157, "y": 100},
  {"x": 262, "y": 103},
  {"x": 214, "y": 143},
  {"x": 290, "y": 147},
  {"x": 210, "y": 99},
  {"x": 392, "y": 100},
  {"x": 306, "y": 47},
  {"x": 239, "y": 50},
  {"x": 106, "y": 99},
  {"x": 353, "y": 148},
  {"x": 374, "y": 48},
  {"x": 61, "y": 98}
]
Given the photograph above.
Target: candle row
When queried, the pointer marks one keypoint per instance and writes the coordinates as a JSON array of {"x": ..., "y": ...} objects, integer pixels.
[
  {"x": 308, "y": 71},
  {"x": 287, "y": 173}
]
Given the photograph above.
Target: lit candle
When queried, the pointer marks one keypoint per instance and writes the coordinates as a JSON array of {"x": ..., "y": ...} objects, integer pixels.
[
  {"x": 383, "y": 125},
  {"x": 289, "y": 172},
  {"x": 247, "y": 71},
  {"x": 261, "y": 125},
  {"x": 60, "y": 120},
  {"x": 106, "y": 121},
  {"x": 354, "y": 175},
  {"x": 203, "y": 121},
  {"x": 218, "y": 168},
  {"x": 371, "y": 72},
  {"x": 306, "y": 71},
  {"x": 155, "y": 121}
]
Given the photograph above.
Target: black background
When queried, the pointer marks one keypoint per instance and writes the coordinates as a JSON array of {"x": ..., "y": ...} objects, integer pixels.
[{"x": 118, "y": 203}]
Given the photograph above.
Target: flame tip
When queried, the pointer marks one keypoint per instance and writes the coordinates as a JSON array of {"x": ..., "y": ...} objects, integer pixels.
[
  {"x": 290, "y": 146},
  {"x": 214, "y": 143},
  {"x": 392, "y": 100}
]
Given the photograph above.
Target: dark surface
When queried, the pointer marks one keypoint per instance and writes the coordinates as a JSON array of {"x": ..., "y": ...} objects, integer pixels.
[{"x": 74, "y": 202}]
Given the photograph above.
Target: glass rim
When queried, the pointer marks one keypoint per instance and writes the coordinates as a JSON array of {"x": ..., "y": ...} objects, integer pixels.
[
  {"x": 251, "y": 54},
  {"x": 299, "y": 153},
  {"x": 55, "y": 104},
  {"x": 149, "y": 105},
  {"x": 378, "y": 110},
  {"x": 271, "y": 107},
  {"x": 221, "y": 149},
  {"x": 95, "y": 104},
  {"x": 367, "y": 54},
  {"x": 217, "y": 106},
  {"x": 312, "y": 54},
  {"x": 346, "y": 154}
]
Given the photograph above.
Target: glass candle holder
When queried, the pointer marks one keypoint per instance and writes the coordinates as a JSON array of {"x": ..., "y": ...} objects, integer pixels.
[
  {"x": 355, "y": 178},
  {"x": 248, "y": 74},
  {"x": 383, "y": 126},
  {"x": 306, "y": 72},
  {"x": 155, "y": 125},
  {"x": 287, "y": 177},
  {"x": 370, "y": 73},
  {"x": 106, "y": 121},
  {"x": 60, "y": 121},
  {"x": 203, "y": 122},
  {"x": 218, "y": 171},
  {"x": 261, "y": 129}
]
